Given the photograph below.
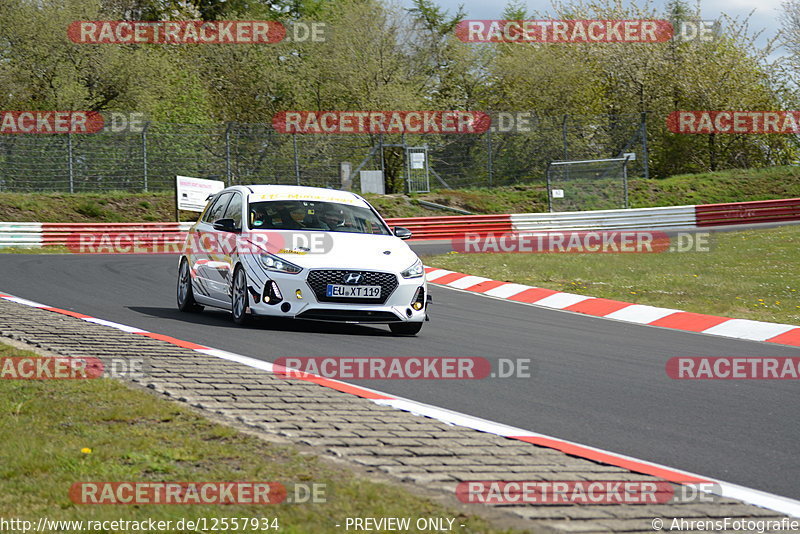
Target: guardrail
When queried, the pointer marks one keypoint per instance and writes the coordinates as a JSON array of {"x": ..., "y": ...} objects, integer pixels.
[
  {"x": 55, "y": 234},
  {"x": 34, "y": 235},
  {"x": 17, "y": 234},
  {"x": 758, "y": 211},
  {"x": 454, "y": 226},
  {"x": 668, "y": 217}
]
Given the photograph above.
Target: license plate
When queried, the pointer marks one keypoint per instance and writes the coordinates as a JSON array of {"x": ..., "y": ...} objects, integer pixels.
[{"x": 336, "y": 290}]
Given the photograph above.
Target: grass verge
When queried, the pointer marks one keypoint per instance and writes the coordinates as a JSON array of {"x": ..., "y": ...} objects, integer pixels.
[
  {"x": 748, "y": 275},
  {"x": 47, "y": 427}
]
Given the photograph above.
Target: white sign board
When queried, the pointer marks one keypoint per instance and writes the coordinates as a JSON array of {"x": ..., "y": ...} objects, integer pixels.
[
  {"x": 372, "y": 182},
  {"x": 193, "y": 192},
  {"x": 558, "y": 193},
  {"x": 630, "y": 155},
  {"x": 418, "y": 160}
]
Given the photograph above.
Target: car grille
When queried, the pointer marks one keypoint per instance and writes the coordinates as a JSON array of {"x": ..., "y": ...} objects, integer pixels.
[
  {"x": 318, "y": 280},
  {"x": 352, "y": 316}
]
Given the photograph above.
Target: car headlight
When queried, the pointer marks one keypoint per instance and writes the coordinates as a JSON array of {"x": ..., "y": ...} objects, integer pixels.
[
  {"x": 415, "y": 271},
  {"x": 274, "y": 263}
]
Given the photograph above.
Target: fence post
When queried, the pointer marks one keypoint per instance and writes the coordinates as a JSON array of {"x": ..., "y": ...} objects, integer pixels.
[
  {"x": 69, "y": 164},
  {"x": 547, "y": 177},
  {"x": 489, "y": 161},
  {"x": 645, "y": 155},
  {"x": 625, "y": 180},
  {"x": 383, "y": 165},
  {"x": 144, "y": 154},
  {"x": 228, "y": 154},
  {"x": 296, "y": 160}
]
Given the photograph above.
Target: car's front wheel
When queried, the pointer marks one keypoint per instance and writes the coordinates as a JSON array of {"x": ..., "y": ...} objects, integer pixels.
[
  {"x": 239, "y": 298},
  {"x": 405, "y": 329},
  {"x": 186, "y": 302}
]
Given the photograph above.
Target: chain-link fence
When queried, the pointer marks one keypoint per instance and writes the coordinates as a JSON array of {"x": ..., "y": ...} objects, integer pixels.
[
  {"x": 240, "y": 153},
  {"x": 600, "y": 184}
]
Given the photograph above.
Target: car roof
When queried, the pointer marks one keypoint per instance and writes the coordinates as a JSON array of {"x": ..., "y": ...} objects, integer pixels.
[{"x": 257, "y": 193}]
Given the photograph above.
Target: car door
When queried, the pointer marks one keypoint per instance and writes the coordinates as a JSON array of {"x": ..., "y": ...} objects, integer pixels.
[
  {"x": 223, "y": 259},
  {"x": 206, "y": 257}
]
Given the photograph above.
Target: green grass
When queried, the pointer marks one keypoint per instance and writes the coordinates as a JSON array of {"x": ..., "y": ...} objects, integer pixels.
[
  {"x": 708, "y": 188},
  {"x": 58, "y": 249},
  {"x": 135, "y": 436},
  {"x": 114, "y": 206},
  {"x": 749, "y": 275}
]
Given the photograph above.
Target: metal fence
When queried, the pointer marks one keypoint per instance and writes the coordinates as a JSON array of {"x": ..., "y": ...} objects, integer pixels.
[
  {"x": 600, "y": 184},
  {"x": 240, "y": 153}
]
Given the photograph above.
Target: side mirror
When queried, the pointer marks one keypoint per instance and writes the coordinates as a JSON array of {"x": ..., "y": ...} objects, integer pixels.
[
  {"x": 225, "y": 225},
  {"x": 402, "y": 233}
]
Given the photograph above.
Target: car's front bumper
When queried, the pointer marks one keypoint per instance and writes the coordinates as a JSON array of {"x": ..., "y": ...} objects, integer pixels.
[{"x": 298, "y": 300}]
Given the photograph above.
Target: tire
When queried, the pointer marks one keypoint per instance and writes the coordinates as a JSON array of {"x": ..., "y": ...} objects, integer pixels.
[
  {"x": 405, "y": 329},
  {"x": 186, "y": 302},
  {"x": 240, "y": 300}
]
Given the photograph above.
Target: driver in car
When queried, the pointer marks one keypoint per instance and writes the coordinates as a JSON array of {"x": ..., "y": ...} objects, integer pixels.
[{"x": 332, "y": 217}]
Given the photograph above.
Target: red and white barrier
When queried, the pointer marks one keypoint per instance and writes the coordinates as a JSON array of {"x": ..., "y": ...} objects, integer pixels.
[
  {"x": 454, "y": 226},
  {"x": 760, "y": 211},
  {"x": 15, "y": 234}
]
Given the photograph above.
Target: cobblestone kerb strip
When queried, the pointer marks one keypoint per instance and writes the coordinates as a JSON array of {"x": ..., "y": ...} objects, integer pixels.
[{"x": 372, "y": 437}]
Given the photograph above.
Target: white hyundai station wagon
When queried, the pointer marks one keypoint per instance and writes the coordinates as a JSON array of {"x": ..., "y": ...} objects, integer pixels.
[{"x": 301, "y": 252}]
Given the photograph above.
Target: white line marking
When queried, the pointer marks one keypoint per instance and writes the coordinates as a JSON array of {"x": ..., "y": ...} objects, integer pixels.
[
  {"x": 27, "y": 302},
  {"x": 124, "y": 328}
]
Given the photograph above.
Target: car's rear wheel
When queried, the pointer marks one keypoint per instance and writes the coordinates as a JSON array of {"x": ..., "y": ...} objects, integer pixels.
[
  {"x": 405, "y": 329},
  {"x": 239, "y": 298},
  {"x": 186, "y": 302}
]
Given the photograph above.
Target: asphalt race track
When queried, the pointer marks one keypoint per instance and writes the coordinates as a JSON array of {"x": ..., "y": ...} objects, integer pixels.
[{"x": 595, "y": 381}]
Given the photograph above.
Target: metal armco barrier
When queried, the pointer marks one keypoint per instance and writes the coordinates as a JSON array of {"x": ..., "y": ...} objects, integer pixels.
[
  {"x": 63, "y": 234},
  {"x": 752, "y": 212},
  {"x": 669, "y": 217},
  {"x": 454, "y": 226},
  {"x": 16, "y": 234}
]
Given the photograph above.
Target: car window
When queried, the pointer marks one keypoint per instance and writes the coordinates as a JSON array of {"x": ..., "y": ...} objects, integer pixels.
[
  {"x": 314, "y": 215},
  {"x": 234, "y": 210},
  {"x": 215, "y": 212}
]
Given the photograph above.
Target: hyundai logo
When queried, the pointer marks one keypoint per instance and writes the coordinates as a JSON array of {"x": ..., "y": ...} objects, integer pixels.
[{"x": 353, "y": 278}]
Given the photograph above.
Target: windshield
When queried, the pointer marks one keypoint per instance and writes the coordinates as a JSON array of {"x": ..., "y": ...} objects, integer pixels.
[{"x": 314, "y": 215}]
